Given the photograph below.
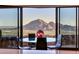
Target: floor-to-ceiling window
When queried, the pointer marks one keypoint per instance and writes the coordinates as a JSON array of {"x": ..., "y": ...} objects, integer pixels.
[
  {"x": 35, "y": 19},
  {"x": 68, "y": 27},
  {"x": 8, "y": 27}
]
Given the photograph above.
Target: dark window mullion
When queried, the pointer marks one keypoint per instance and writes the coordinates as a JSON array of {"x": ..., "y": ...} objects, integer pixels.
[
  {"x": 56, "y": 23},
  {"x": 18, "y": 26},
  {"x": 21, "y": 27},
  {"x": 76, "y": 27}
]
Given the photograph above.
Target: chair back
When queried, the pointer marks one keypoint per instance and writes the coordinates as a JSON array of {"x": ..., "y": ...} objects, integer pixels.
[
  {"x": 41, "y": 44},
  {"x": 31, "y": 37},
  {"x": 58, "y": 44}
]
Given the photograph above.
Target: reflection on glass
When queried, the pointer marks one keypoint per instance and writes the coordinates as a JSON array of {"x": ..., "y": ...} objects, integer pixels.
[
  {"x": 8, "y": 22},
  {"x": 8, "y": 26},
  {"x": 39, "y": 19},
  {"x": 35, "y": 19},
  {"x": 68, "y": 27}
]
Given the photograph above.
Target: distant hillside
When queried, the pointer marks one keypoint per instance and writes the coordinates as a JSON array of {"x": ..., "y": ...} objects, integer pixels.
[
  {"x": 36, "y": 24},
  {"x": 67, "y": 27},
  {"x": 40, "y": 24},
  {"x": 7, "y": 27}
]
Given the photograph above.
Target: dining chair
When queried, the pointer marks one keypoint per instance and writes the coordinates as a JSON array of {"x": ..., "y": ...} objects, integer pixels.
[
  {"x": 58, "y": 43},
  {"x": 41, "y": 44},
  {"x": 31, "y": 38}
]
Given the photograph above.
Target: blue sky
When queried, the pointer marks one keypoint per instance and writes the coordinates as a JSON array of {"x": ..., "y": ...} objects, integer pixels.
[
  {"x": 46, "y": 14},
  {"x": 68, "y": 16},
  {"x": 8, "y": 17}
]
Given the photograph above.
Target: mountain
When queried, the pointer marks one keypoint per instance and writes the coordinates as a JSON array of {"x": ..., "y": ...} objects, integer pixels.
[
  {"x": 36, "y": 25},
  {"x": 51, "y": 26},
  {"x": 68, "y": 27},
  {"x": 40, "y": 24},
  {"x": 7, "y": 27}
]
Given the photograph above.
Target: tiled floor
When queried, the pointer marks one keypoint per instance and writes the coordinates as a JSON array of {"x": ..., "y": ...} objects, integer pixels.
[{"x": 18, "y": 51}]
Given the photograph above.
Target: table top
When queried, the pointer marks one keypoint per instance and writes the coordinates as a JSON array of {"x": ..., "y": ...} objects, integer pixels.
[{"x": 34, "y": 41}]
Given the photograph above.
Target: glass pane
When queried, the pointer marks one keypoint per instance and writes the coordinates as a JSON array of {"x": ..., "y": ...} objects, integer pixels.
[
  {"x": 8, "y": 27},
  {"x": 35, "y": 19},
  {"x": 68, "y": 27}
]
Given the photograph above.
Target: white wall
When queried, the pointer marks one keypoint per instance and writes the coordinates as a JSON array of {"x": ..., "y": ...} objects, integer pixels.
[{"x": 39, "y": 2}]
